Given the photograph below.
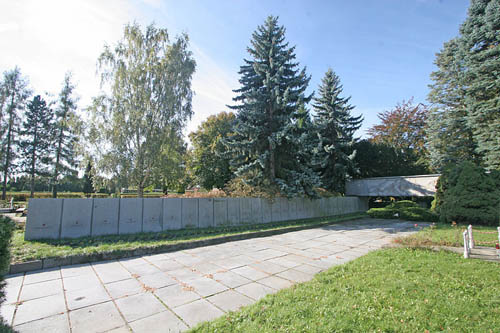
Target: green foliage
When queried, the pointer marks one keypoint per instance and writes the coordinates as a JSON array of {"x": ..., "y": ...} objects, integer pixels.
[
  {"x": 36, "y": 143},
  {"x": 404, "y": 209},
  {"x": 465, "y": 123},
  {"x": 13, "y": 95},
  {"x": 335, "y": 127},
  {"x": 381, "y": 160},
  {"x": 88, "y": 187},
  {"x": 68, "y": 126},
  {"x": 467, "y": 194},
  {"x": 271, "y": 147},
  {"x": 6, "y": 231},
  {"x": 141, "y": 121},
  {"x": 210, "y": 164},
  {"x": 391, "y": 290}
]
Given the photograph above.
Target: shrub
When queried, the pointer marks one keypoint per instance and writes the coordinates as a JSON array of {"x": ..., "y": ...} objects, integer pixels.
[
  {"x": 418, "y": 214},
  {"x": 404, "y": 209},
  {"x": 470, "y": 196},
  {"x": 6, "y": 231},
  {"x": 383, "y": 213}
]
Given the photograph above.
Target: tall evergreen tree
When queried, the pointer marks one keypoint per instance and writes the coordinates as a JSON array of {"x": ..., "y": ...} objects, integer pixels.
[
  {"x": 272, "y": 92},
  {"x": 335, "y": 127},
  {"x": 480, "y": 47},
  {"x": 67, "y": 128},
  {"x": 13, "y": 95},
  {"x": 36, "y": 140},
  {"x": 88, "y": 186},
  {"x": 465, "y": 121}
]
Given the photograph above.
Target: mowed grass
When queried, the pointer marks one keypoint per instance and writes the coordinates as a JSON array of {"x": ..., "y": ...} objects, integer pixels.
[
  {"x": 391, "y": 290},
  {"x": 442, "y": 234},
  {"x": 22, "y": 250}
]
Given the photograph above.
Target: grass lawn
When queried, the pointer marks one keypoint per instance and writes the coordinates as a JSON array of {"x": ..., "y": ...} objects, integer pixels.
[
  {"x": 22, "y": 250},
  {"x": 447, "y": 235},
  {"x": 391, "y": 290}
]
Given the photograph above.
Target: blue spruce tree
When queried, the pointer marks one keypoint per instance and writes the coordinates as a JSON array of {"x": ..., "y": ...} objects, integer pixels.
[
  {"x": 335, "y": 128},
  {"x": 270, "y": 141}
]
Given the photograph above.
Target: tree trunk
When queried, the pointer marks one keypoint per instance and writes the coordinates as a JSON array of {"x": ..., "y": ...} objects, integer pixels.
[
  {"x": 33, "y": 161},
  {"x": 140, "y": 191},
  {"x": 56, "y": 167},
  {"x": 7, "y": 154}
]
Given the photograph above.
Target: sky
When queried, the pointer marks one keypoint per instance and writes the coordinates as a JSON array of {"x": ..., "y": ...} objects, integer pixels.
[{"x": 382, "y": 50}]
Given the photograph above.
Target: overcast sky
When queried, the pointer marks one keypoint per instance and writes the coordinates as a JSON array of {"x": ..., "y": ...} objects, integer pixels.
[{"x": 383, "y": 50}]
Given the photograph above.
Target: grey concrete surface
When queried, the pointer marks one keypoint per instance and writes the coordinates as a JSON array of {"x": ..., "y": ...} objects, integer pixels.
[
  {"x": 398, "y": 186},
  {"x": 72, "y": 218},
  {"x": 177, "y": 290}
]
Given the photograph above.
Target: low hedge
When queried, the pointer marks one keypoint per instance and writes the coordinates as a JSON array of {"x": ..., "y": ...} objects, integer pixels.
[{"x": 404, "y": 209}]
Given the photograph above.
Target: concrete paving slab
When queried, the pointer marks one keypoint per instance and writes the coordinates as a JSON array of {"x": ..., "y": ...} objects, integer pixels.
[
  {"x": 161, "y": 322},
  {"x": 233, "y": 211},
  {"x": 206, "y": 287},
  {"x": 268, "y": 267},
  {"x": 58, "y": 323},
  {"x": 189, "y": 213},
  {"x": 44, "y": 219},
  {"x": 156, "y": 280},
  {"x": 176, "y": 295},
  {"x": 105, "y": 217},
  {"x": 230, "y": 279},
  {"x": 197, "y": 312},
  {"x": 275, "y": 282},
  {"x": 152, "y": 216},
  {"x": 7, "y": 312},
  {"x": 220, "y": 212},
  {"x": 124, "y": 288},
  {"x": 141, "y": 270},
  {"x": 39, "y": 308},
  {"x": 76, "y": 218},
  {"x": 76, "y": 270},
  {"x": 96, "y": 318},
  {"x": 81, "y": 282},
  {"x": 192, "y": 274},
  {"x": 111, "y": 272},
  {"x": 206, "y": 212},
  {"x": 172, "y": 214},
  {"x": 130, "y": 221},
  {"x": 167, "y": 265},
  {"x": 41, "y": 289},
  {"x": 250, "y": 273},
  {"x": 230, "y": 300},
  {"x": 84, "y": 297},
  {"x": 42, "y": 275},
  {"x": 295, "y": 276},
  {"x": 255, "y": 290},
  {"x": 139, "y": 306}
]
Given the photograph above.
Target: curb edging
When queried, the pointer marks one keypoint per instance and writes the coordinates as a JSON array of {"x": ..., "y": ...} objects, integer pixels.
[{"x": 46, "y": 263}]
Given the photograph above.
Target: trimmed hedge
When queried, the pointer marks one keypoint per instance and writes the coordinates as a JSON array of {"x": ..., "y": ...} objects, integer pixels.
[{"x": 404, "y": 209}]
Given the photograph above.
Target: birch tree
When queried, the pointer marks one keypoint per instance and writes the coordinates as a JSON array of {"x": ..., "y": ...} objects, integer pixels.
[{"x": 148, "y": 84}]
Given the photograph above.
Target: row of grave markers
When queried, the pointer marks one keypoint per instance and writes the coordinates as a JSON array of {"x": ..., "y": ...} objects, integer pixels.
[{"x": 72, "y": 218}]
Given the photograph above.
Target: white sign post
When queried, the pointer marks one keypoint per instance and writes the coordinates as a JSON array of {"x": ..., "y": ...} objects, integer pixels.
[
  {"x": 471, "y": 238},
  {"x": 466, "y": 244}
]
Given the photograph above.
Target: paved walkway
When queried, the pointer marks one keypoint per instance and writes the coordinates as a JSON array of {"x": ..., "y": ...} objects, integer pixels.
[{"x": 175, "y": 291}]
